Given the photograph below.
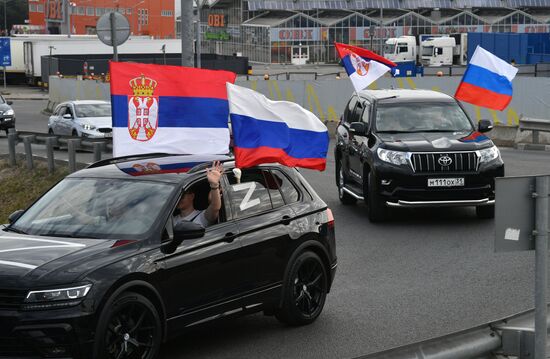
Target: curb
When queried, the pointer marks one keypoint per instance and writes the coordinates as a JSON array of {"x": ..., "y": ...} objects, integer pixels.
[
  {"x": 26, "y": 98},
  {"x": 532, "y": 147}
]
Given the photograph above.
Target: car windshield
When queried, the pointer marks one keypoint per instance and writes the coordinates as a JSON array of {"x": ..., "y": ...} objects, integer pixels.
[
  {"x": 421, "y": 117},
  {"x": 93, "y": 110},
  {"x": 96, "y": 208},
  {"x": 389, "y": 48}
]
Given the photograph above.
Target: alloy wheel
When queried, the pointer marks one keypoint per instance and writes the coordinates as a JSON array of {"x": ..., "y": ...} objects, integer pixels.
[{"x": 309, "y": 287}]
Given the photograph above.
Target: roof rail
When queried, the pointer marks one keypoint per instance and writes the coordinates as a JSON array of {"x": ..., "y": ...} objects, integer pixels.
[{"x": 110, "y": 161}]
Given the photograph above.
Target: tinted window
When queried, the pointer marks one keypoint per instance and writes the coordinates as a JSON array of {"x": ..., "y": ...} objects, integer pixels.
[
  {"x": 290, "y": 192},
  {"x": 349, "y": 109},
  {"x": 251, "y": 194},
  {"x": 366, "y": 114},
  {"x": 356, "y": 115},
  {"x": 273, "y": 182}
]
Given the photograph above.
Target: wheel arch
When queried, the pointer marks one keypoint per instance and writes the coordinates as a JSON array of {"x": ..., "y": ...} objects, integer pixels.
[
  {"x": 313, "y": 245},
  {"x": 138, "y": 283}
]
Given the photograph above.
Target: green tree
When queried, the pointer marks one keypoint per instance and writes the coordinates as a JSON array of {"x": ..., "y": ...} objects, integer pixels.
[{"x": 17, "y": 11}]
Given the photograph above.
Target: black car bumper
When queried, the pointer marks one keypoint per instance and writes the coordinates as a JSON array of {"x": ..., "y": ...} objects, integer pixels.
[
  {"x": 56, "y": 333},
  {"x": 7, "y": 122},
  {"x": 401, "y": 187}
]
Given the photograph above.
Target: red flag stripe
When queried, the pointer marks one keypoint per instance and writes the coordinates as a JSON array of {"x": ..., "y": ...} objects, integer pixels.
[
  {"x": 344, "y": 50},
  {"x": 249, "y": 157},
  {"x": 482, "y": 97},
  {"x": 175, "y": 81}
]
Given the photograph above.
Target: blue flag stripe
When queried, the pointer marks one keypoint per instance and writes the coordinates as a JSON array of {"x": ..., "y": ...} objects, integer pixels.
[
  {"x": 481, "y": 77},
  {"x": 252, "y": 133},
  {"x": 195, "y": 112}
]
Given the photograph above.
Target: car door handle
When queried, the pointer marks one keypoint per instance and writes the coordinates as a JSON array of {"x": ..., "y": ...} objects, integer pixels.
[
  {"x": 229, "y": 237},
  {"x": 286, "y": 220}
]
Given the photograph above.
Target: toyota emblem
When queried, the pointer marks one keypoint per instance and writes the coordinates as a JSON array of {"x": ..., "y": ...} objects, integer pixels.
[{"x": 445, "y": 161}]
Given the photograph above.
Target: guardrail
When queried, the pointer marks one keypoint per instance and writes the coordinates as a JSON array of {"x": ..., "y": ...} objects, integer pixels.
[
  {"x": 536, "y": 125},
  {"x": 97, "y": 146},
  {"x": 512, "y": 336}
]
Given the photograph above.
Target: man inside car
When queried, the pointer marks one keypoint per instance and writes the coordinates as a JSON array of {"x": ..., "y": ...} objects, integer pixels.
[{"x": 186, "y": 206}]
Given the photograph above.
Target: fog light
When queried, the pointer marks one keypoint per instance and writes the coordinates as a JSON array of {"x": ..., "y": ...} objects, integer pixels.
[{"x": 385, "y": 182}]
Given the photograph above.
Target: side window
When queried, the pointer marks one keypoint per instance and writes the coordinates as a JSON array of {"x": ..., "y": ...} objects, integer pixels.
[
  {"x": 273, "y": 183},
  {"x": 439, "y": 50},
  {"x": 356, "y": 116},
  {"x": 402, "y": 48},
  {"x": 69, "y": 111},
  {"x": 366, "y": 114},
  {"x": 290, "y": 193},
  {"x": 349, "y": 109},
  {"x": 250, "y": 195},
  {"x": 61, "y": 111}
]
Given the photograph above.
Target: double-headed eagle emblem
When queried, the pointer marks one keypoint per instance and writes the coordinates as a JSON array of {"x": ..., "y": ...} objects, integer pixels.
[{"x": 143, "y": 109}]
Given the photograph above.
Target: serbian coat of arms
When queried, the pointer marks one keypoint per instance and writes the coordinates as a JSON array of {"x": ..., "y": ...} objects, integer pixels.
[
  {"x": 359, "y": 64},
  {"x": 143, "y": 108}
]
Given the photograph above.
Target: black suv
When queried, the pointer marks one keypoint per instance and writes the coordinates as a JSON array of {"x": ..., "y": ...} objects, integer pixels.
[
  {"x": 7, "y": 116},
  {"x": 414, "y": 148},
  {"x": 73, "y": 285}
]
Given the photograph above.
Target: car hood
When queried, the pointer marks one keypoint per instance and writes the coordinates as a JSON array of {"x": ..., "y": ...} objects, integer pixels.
[
  {"x": 4, "y": 107},
  {"x": 100, "y": 122},
  {"x": 435, "y": 141},
  {"x": 27, "y": 260}
]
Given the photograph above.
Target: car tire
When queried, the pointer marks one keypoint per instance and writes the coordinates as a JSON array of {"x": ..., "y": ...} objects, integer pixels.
[
  {"x": 128, "y": 327},
  {"x": 74, "y": 133},
  {"x": 485, "y": 212},
  {"x": 344, "y": 197},
  {"x": 304, "y": 290},
  {"x": 376, "y": 208}
]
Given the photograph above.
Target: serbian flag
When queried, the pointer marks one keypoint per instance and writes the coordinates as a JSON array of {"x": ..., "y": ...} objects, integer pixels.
[
  {"x": 266, "y": 131},
  {"x": 169, "y": 109},
  {"x": 487, "y": 81},
  {"x": 362, "y": 66}
]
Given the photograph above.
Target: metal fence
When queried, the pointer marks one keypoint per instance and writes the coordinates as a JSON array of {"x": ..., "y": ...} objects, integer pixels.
[{"x": 51, "y": 142}]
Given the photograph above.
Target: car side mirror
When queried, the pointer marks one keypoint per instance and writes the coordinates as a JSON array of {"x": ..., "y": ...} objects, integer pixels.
[
  {"x": 68, "y": 116},
  {"x": 183, "y": 230},
  {"x": 358, "y": 128},
  {"x": 485, "y": 125},
  {"x": 15, "y": 216},
  {"x": 9, "y": 102}
]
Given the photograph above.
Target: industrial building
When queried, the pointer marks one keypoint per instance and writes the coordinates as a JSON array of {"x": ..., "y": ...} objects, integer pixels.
[{"x": 293, "y": 31}]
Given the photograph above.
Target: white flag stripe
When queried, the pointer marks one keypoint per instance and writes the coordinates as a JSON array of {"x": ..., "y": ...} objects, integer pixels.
[
  {"x": 247, "y": 102},
  {"x": 184, "y": 140},
  {"x": 376, "y": 70},
  {"x": 487, "y": 60}
]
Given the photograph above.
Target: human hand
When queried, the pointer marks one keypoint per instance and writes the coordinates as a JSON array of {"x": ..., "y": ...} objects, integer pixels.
[{"x": 214, "y": 173}]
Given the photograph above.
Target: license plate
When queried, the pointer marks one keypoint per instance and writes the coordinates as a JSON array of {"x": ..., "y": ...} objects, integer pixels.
[
  {"x": 445, "y": 182},
  {"x": 109, "y": 134}
]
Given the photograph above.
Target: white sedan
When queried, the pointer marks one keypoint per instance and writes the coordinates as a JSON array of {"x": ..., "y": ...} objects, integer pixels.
[{"x": 91, "y": 119}]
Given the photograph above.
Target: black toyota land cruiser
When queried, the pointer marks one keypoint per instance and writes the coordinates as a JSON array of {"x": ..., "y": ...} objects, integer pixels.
[{"x": 414, "y": 148}]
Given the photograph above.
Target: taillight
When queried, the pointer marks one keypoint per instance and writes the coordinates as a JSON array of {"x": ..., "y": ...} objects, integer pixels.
[
  {"x": 122, "y": 242},
  {"x": 330, "y": 217}
]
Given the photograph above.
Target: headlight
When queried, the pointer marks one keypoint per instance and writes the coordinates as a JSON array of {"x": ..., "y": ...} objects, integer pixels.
[
  {"x": 88, "y": 127},
  {"x": 55, "y": 298},
  {"x": 9, "y": 112},
  {"x": 488, "y": 154},
  {"x": 393, "y": 157}
]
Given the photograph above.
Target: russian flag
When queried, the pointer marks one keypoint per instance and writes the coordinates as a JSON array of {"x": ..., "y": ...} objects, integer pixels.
[
  {"x": 169, "y": 109},
  {"x": 487, "y": 81},
  {"x": 362, "y": 66},
  {"x": 266, "y": 131}
]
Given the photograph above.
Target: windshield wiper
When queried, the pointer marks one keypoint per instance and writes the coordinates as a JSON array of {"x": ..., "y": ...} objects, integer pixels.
[
  {"x": 67, "y": 235},
  {"x": 419, "y": 131},
  {"x": 15, "y": 230},
  {"x": 393, "y": 132}
]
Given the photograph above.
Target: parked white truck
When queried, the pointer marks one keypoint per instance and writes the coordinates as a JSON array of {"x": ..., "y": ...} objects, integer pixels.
[{"x": 434, "y": 50}]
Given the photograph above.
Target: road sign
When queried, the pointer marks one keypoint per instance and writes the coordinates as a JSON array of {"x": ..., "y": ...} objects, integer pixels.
[
  {"x": 105, "y": 26},
  {"x": 514, "y": 214},
  {"x": 5, "y": 51}
]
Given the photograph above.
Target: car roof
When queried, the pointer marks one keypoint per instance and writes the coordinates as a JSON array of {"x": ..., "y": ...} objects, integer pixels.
[
  {"x": 399, "y": 95},
  {"x": 86, "y": 102}
]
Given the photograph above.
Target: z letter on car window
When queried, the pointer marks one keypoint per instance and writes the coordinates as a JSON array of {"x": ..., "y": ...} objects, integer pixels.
[{"x": 246, "y": 203}]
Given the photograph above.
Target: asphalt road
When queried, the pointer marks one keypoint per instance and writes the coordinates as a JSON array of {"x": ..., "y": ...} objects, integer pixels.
[{"x": 423, "y": 274}]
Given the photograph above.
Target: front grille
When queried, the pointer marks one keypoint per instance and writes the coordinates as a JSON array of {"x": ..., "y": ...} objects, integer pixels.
[
  {"x": 105, "y": 130},
  {"x": 11, "y": 298},
  {"x": 430, "y": 162}
]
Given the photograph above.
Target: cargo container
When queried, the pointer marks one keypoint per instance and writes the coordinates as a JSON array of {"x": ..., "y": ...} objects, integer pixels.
[{"x": 529, "y": 48}]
